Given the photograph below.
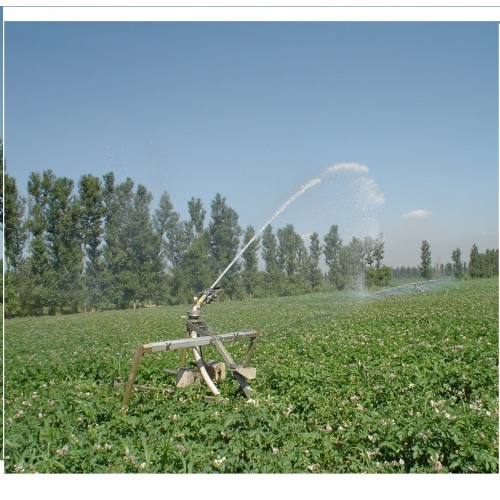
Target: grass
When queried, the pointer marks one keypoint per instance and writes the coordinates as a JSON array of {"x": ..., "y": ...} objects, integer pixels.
[{"x": 345, "y": 384}]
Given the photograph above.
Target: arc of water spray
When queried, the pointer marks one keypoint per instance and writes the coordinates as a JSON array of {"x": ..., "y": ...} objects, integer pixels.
[
  {"x": 302, "y": 190},
  {"x": 339, "y": 167}
]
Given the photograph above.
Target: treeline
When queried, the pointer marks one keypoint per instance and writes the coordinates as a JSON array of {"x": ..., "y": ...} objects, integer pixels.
[
  {"x": 97, "y": 245},
  {"x": 479, "y": 265}
]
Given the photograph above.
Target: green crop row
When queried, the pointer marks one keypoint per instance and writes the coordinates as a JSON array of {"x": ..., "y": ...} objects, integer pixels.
[{"x": 345, "y": 384}]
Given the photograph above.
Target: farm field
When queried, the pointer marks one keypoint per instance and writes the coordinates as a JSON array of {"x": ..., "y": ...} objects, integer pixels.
[{"x": 345, "y": 384}]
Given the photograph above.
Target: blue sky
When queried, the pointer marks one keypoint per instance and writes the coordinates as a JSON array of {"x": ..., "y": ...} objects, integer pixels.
[{"x": 256, "y": 110}]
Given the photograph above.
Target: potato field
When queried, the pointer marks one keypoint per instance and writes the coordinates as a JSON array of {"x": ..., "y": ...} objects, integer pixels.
[{"x": 346, "y": 383}]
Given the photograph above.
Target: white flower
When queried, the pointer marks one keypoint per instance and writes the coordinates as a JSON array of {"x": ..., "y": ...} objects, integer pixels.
[
  {"x": 218, "y": 461},
  {"x": 63, "y": 451}
]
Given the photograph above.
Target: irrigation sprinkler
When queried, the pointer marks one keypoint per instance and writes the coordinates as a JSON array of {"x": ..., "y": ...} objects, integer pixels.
[
  {"x": 198, "y": 335},
  {"x": 415, "y": 287}
]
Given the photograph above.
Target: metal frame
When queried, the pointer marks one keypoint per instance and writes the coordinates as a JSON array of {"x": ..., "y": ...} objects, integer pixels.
[
  {"x": 207, "y": 337},
  {"x": 199, "y": 334}
]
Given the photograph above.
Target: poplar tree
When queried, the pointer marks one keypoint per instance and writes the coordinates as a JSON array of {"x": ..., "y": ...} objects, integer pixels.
[
  {"x": 289, "y": 243},
  {"x": 425, "y": 261},
  {"x": 250, "y": 273},
  {"x": 458, "y": 269},
  {"x": 15, "y": 237},
  {"x": 197, "y": 214},
  {"x": 36, "y": 291},
  {"x": 91, "y": 198},
  {"x": 14, "y": 228},
  {"x": 293, "y": 260},
  {"x": 273, "y": 274},
  {"x": 224, "y": 236},
  {"x": 64, "y": 235},
  {"x": 331, "y": 249},
  {"x": 315, "y": 275},
  {"x": 118, "y": 281},
  {"x": 190, "y": 249},
  {"x": 145, "y": 257},
  {"x": 165, "y": 225}
]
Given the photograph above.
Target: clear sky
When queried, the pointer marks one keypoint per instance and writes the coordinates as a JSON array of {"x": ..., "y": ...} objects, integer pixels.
[{"x": 256, "y": 110}]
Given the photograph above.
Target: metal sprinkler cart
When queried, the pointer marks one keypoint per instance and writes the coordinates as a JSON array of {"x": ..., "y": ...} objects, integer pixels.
[{"x": 198, "y": 335}]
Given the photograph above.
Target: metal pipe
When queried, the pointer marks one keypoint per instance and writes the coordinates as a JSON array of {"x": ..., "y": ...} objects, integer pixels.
[{"x": 202, "y": 368}]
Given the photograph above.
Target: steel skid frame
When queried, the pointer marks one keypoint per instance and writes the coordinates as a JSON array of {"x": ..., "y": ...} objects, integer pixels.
[{"x": 198, "y": 335}]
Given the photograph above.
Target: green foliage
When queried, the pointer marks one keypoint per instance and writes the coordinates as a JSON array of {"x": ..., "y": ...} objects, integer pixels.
[
  {"x": 224, "y": 239},
  {"x": 331, "y": 249},
  {"x": 101, "y": 248},
  {"x": 425, "y": 261},
  {"x": 314, "y": 272},
  {"x": 483, "y": 265},
  {"x": 458, "y": 269},
  {"x": 405, "y": 384}
]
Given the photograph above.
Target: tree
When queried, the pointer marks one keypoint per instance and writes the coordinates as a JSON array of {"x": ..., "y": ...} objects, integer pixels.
[
  {"x": 166, "y": 226},
  {"x": 117, "y": 278},
  {"x": 483, "y": 265},
  {"x": 374, "y": 253},
  {"x": 147, "y": 265},
  {"x": 457, "y": 263},
  {"x": 38, "y": 292},
  {"x": 475, "y": 270},
  {"x": 315, "y": 275},
  {"x": 190, "y": 255},
  {"x": 64, "y": 235},
  {"x": 289, "y": 243},
  {"x": 132, "y": 253},
  {"x": 378, "y": 251},
  {"x": 346, "y": 268},
  {"x": 356, "y": 275},
  {"x": 195, "y": 273},
  {"x": 250, "y": 274},
  {"x": 14, "y": 229},
  {"x": 15, "y": 236},
  {"x": 273, "y": 274},
  {"x": 91, "y": 199},
  {"x": 55, "y": 260},
  {"x": 293, "y": 259},
  {"x": 331, "y": 250},
  {"x": 425, "y": 261},
  {"x": 198, "y": 213},
  {"x": 224, "y": 236}
]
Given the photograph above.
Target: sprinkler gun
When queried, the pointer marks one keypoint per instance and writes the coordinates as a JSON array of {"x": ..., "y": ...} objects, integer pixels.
[{"x": 203, "y": 298}]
